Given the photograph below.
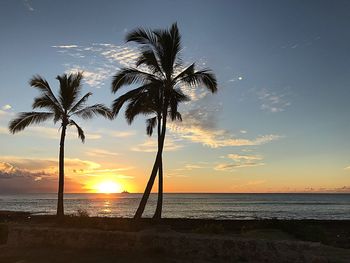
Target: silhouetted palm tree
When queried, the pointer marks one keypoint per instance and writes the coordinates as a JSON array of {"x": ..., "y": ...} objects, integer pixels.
[
  {"x": 161, "y": 77},
  {"x": 67, "y": 105}
]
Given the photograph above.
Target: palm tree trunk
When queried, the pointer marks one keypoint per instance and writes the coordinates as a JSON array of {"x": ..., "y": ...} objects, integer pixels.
[
  {"x": 60, "y": 209},
  {"x": 148, "y": 189},
  {"x": 158, "y": 212},
  {"x": 150, "y": 183}
]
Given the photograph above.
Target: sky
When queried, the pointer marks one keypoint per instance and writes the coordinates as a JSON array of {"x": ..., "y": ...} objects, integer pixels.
[{"x": 279, "y": 122}]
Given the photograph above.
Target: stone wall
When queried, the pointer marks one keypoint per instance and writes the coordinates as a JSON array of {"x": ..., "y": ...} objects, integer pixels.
[{"x": 199, "y": 248}]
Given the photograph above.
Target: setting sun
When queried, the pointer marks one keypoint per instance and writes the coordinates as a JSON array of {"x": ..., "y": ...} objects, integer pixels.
[{"x": 108, "y": 187}]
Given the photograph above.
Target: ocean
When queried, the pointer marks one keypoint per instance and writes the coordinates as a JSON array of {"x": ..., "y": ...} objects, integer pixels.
[{"x": 209, "y": 206}]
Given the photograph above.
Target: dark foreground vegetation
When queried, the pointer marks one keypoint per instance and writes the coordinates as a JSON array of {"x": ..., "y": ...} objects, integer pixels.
[
  {"x": 334, "y": 233},
  {"x": 27, "y": 238}
]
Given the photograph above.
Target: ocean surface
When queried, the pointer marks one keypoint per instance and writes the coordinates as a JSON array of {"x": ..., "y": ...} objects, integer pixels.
[{"x": 213, "y": 206}]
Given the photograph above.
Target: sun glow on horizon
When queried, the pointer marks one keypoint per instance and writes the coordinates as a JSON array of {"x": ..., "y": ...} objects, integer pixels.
[{"x": 108, "y": 187}]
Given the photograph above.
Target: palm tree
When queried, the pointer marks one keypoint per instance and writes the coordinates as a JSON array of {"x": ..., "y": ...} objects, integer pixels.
[
  {"x": 61, "y": 109},
  {"x": 161, "y": 74},
  {"x": 150, "y": 103}
]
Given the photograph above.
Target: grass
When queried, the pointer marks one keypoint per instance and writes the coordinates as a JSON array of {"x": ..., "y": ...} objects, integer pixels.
[
  {"x": 3, "y": 233},
  {"x": 334, "y": 233}
]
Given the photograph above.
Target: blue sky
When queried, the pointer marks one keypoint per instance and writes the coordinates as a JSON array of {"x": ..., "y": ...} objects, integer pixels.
[{"x": 280, "y": 121}]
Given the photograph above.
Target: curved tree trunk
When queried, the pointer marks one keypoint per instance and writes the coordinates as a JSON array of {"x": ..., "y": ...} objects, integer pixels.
[
  {"x": 60, "y": 209},
  {"x": 148, "y": 189},
  {"x": 150, "y": 183},
  {"x": 158, "y": 212}
]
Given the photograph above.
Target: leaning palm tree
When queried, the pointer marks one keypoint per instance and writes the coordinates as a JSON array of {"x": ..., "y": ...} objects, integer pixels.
[
  {"x": 61, "y": 109},
  {"x": 150, "y": 103},
  {"x": 161, "y": 74}
]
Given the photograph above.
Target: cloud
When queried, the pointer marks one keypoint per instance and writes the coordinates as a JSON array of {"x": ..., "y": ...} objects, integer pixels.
[
  {"x": 95, "y": 77},
  {"x": 198, "y": 126},
  {"x": 194, "y": 93},
  {"x": 239, "y": 161},
  {"x": 122, "y": 134},
  {"x": 125, "y": 56},
  {"x": 49, "y": 166},
  {"x": 272, "y": 102},
  {"x": 193, "y": 166},
  {"x": 28, "y": 5},
  {"x": 99, "y": 61},
  {"x": 54, "y": 133},
  {"x": 6, "y": 107},
  {"x": 4, "y": 111},
  {"x": 151, "y": 146},
  {"x": 101, "y": 153},
  {"x": 18, "y": 179},
  {"x": 238, "y": 157},
  {"x": 232, "y": 166},
  {"x": 22, "y": 174},
  {"x": 65, "y": 46}
]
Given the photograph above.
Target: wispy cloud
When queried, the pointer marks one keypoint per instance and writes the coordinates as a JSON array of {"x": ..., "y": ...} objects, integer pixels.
[
  {"x": 52, "y": 133},
  {"x": 232, "y": 166},
  {"x": 238, "y": 157},
  {"x": 65, "y": 46},
  {"x": 28, "y": 5},
  {"x": 239, "y": 161},
  {"x": 122, "y": 134},
  {"x": 99, "y": 61},
  {"x": 94, "y": 78},
  {"x": 150, "y": 145},
  {"x": 193, "y": 166},
  {"x": 100, "y": 153},
  {"x": 272, "y": 102},
  {"x": 198, "y": 125}
]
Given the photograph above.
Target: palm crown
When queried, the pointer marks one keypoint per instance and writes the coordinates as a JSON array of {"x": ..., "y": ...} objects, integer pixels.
[
  {"x": 68, "y": 104},
  {"x": 160, "y": 71}
]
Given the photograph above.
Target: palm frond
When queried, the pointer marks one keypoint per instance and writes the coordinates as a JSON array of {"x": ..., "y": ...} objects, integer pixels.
[
  {"x": 141, "y": 36},
  {"x": 80, "y": 103},
  {"x": 177, "y": 116},
  {"x": 44, "y": 101},
  {"x": 140, "y": 104},
  {"x": 81, "y": 134},
  {"x": 25, "y": 119},
  {"x": 150, "y": 124},
  {"x": 149, "y": 59},
  {"x": 119, "y": 102},
  {"x": 41, "y": 84},
  {"x": 94, "y": 110},
  {"x": 188, "y": 71},
  {"x": 127, "y": 76},
  {"x": 169, "y": 47},
  {"x": 70, "y": 88},
  {"x": 202, "y": 77}
]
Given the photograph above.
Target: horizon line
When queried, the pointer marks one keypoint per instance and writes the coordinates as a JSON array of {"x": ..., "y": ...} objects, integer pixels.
[{"x": 14, "y": 193}]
